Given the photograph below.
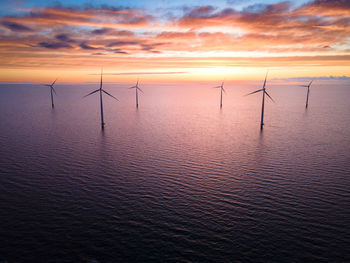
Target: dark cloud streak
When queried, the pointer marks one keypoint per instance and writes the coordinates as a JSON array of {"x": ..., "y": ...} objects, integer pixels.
[
  {"x": 122, "y": 43},
  {"x": 13, "y": 26},
  {"x": 54, "y": 45},
  {"x": 88, "y": 47},
  {"x": 101, "y": 31},
  {"x": 64, "y": 38}
]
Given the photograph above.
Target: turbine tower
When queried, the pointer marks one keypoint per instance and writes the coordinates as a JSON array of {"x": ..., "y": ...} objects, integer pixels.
[
  {"x": 308, "y": 91},
  {"x": 263, "y": 101},
  {"x": 136, "y": 87},
  {"x": 221, "y": 90},
  {"x": 101, "y": 102},
  {"x": 51, "y": 90}
]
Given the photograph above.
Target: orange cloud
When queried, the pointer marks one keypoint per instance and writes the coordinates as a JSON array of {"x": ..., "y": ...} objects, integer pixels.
[{"x": 55, "y": 17}]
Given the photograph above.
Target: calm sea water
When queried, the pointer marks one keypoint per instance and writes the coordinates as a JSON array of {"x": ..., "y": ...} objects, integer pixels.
[{"x": 179, "y": 179}]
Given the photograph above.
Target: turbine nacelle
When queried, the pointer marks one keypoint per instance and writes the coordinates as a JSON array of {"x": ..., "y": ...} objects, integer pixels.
[
  {"x": 137, "y": 87},
  {"x": 263, "y": 89},
  {"x": 101, "y": 90},
  {"x": 307, "y": 86},
  {"x": 51, "y": 86},
  {"x": 220, "y": 87}
]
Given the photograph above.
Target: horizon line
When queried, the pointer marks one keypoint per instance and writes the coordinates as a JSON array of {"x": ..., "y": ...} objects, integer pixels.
[
  {"x": 296, "y": 79},
  {"x": 143, "y": 73}
]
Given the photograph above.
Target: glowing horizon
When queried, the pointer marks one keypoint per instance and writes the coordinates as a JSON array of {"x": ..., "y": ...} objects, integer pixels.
[{"x": 231, "y": 40}]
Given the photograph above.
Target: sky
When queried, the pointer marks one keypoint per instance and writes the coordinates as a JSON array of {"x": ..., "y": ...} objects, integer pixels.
[{"x": 176, "y": 41}]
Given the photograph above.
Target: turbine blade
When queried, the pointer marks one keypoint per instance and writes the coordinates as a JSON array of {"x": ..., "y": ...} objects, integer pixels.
[
  {"x": 311, "y": 83},
  {"x": 110, "y": 95},
  {"x": 265, "y": 79},
  {"x": 223, "y": 90},
  {"x": 47, "y": 85},
  {"x": 303, "y": 86},
  {"x": 217, "y": 87},
  {"x": 54, "y": 90},
  {"x": 140, "y": 89},
  {"x": 133, "y": 87},
  {"x": 101, "y": 78},
  {"x": 54, "y": 82},
  {"x": 269, "y": 96},
  {"x": 254, "y": 92},
  {"x": 92, "y": 93}
]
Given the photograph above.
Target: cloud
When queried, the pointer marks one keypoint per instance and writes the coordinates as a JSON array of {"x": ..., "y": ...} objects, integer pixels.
[
  {"x": 200, "y": 11},
  {"x": 254, "y": 15},
  {"x": 123, "y": 33},
  {"x": 326, "y": 7},
  {"x": 147, "y": 47},
  {"x": 16, "y": 27},
  {"x": 88, "y": 16},
  {"x": 54, "y": 45},
  {"x": 64, "y": 38},
  {"x": 85, "y": 46},
  {"x": 144, "y": 46},
  {"x": 268, "y": 27},
  {"x": 112, "y": 32},
  {"x": 118, "y": 51},
  {"x": 101, "y": 31},
  {"x": 276, "y": 27},
  {"x": 122, "y": 43},
  {"x": 88, "y": 47},
  {"x": 166, "y": 35},
  {"x": 281, "y": 18}
]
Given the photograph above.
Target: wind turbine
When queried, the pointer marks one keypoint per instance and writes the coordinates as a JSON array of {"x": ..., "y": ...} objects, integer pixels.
[
  {"x": 221, "y": 90},
  {"x": 308, "y": 91},
  {"x": 51, "y": 90},
  {"x": 263, "y": 101},
  {"x": 136, "y": 87},
  {"x": 101, "y": 104}
]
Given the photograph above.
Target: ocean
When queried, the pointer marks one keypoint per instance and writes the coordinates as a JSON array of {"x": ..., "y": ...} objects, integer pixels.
[{"x": 177, "y": 180}]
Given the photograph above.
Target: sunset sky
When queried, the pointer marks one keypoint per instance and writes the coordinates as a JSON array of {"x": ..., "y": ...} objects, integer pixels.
[{"x": 190, "y": 40}]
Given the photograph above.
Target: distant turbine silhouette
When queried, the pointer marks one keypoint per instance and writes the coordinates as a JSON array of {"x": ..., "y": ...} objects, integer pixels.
[
  {"x": 136, "y": 87},
  {"x": 263, "y": 101},
  {"x": 221, "y": 90},
  {"x": 51, "y": 90},
  {"x": 308, "y": 91},
  {"x": 101, "y": 104}
]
